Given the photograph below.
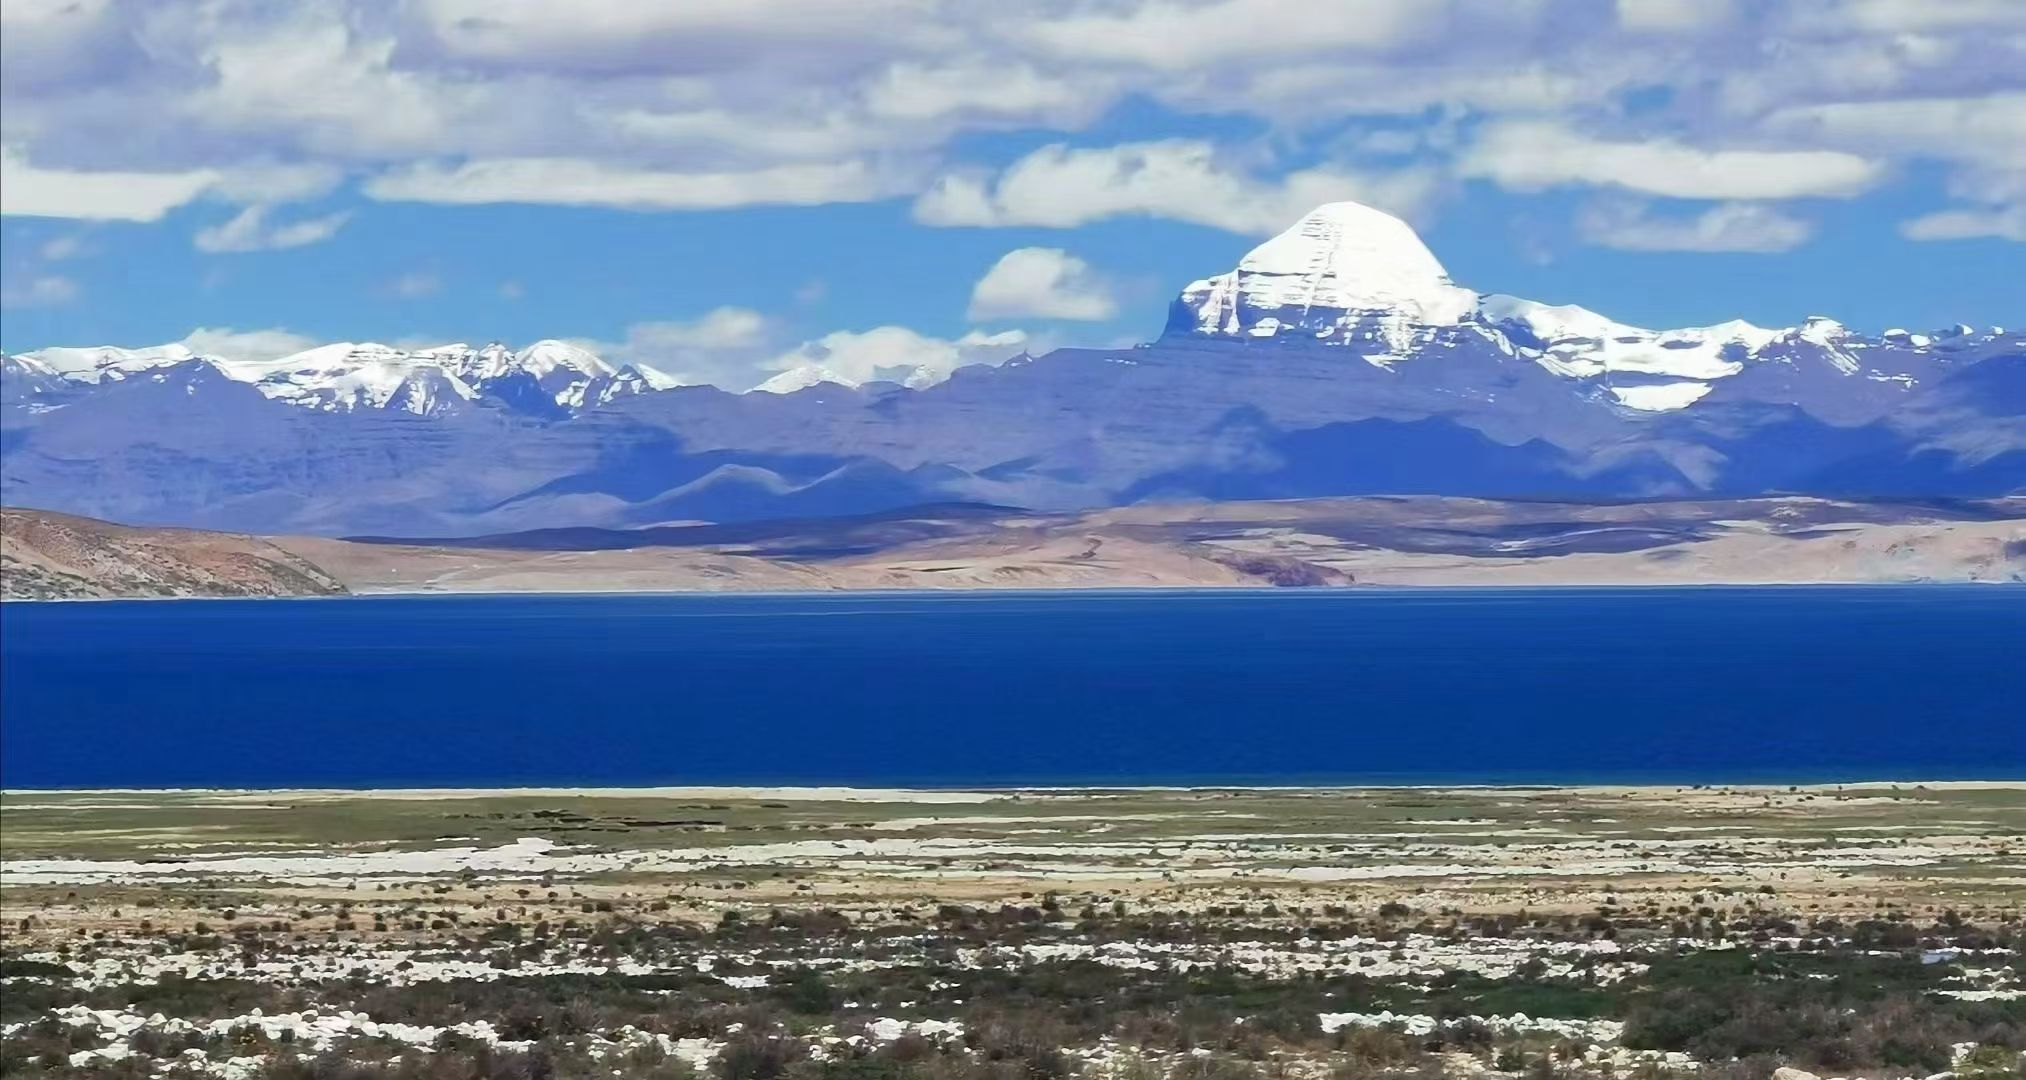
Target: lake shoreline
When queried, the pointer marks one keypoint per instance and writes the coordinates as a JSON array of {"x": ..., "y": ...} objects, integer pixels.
[
  {"x": 979, "y": 793},
  {"x": 1045, "y": 591}
]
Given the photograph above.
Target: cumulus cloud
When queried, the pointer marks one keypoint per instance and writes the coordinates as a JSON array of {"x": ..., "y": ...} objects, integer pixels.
[
  {"x": 1903, "y": 16},
  {"x": 1734, "y": 226},
  {"x": 37, "y": 290},
  {"x": 274, "y": 182},
  {"x": 887, "y": 354},
  {"x": 1986, "y": 132},
  {"x": 1674, "y": 16},
  {"x": 1046, "y": 283},
  {"x": 578, "y": 182},
  {"x": 1530, "y": 155},
  {"x": 723, "y": 347},
  {"x": 109, "y": 195},
  {"x": 246, "y": 346},
  {"x": 130, "y": 110},
  {"x": 61, "y": 248},
  {"x": 739, "y": 349},
  {"x": 1992, "y": 204},
  {"x": 1182, "y": 179},
  {"x": 414, "y": 285},
  {"x": 250, "y": 230},
  {"x": 1936, "y": 123},
  {"x": 1968, "y": 223},
  {"x": 1175, "y": 36}
]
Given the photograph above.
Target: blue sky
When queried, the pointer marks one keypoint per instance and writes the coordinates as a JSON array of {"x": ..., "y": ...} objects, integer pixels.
[{"x": 711, "y": 187}]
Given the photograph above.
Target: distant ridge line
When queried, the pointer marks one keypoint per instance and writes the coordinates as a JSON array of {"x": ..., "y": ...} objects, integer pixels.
[{"x": 596, "y": 538}]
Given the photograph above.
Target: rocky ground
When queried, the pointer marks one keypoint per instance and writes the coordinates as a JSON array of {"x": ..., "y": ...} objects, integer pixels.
[
  {"x": 1308, "y": 543},
  {"x": 1038, "y": 935},
  {"x": 45, "y": 556}
]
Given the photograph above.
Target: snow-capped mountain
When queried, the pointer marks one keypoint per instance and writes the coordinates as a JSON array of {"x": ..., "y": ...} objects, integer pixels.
[
  {"x": 1338, "y": 358},
  {"x": 1350, "y": 275},
  {"x": 548, "y": 378},
  {"x": 1346, "y": 273},
  {"x": 102, "y": 363}
]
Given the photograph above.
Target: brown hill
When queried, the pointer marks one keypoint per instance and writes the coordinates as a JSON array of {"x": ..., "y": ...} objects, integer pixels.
[
  {"x": 56, "y": 556},
  {"x": 1313, "y": 542}
]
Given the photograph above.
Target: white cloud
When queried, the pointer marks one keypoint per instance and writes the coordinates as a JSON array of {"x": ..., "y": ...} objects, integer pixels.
[
  {"x": 916, "y": 91},
  {"x": 415, "y": 285},
  {"x": 1046, "y": 283},
  {"x": 723, "y": 347},
  {"x": 40, "y": 290},
  {"x": 718, "y": 328},
  {"x": 1991, "y": 203},
  {"x": 1969, "y": 223},
  {"x": 1902, "y": 16},
  {"x": 1735, "y": 226},
  {"x": 1173, "y": 36},
  {"x": 61, "y": 248},
  {"x": 31, "y": 191},
  {"x": 1988, "y": 129},
  {"x": 888, "y": 354},
  {"x": 130, "y": 110},
  {"x": 1180, "y": 179},
  {"x": 739, "y": 349},
  {"x": 275, "y": 182},
  {"x": 581, "y": 182},
  {"x": 250, "y": 230},
  {"x": 1674, "y": 16},
  {"x": 246, "y": 346},
  {"x": 1530, "y": 155},
  {"x": 625, "y": 36},
  {"x": 315, "y": 78}
]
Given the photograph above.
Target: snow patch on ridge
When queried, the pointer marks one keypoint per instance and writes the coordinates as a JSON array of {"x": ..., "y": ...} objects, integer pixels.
[{"x": 1660, "y": 397}]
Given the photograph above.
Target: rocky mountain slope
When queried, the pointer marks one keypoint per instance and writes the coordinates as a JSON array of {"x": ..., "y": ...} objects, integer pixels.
[
  {"x": 1309, "y": 543},
  {"x": 1336, "y": 359},
  {"x": 56, "y": 556}
]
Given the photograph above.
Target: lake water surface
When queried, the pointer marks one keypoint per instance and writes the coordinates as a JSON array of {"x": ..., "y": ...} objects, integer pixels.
[{"x": 1689, "y": 685}]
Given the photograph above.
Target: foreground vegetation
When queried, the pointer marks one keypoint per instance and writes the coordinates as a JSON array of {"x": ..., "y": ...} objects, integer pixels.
[
  {"x": 1630, "y": 934},
  {"x": 1043, "y": 991}
]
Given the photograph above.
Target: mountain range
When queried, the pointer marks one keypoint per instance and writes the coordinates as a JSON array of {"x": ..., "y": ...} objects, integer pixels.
[{"x": 1337, "y": 358}]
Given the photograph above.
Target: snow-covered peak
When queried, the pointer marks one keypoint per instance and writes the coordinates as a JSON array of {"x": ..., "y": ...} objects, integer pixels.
[
  {"x": 98, "y": 363},
  {"x": 1345, "y": 273},
  {"x": 549, "y": 378},
  {"x": 1576, "y": 341},
  {"x": 549, "y": 355},
  {"x": 429, "y": 391},
  {"x": 1351, "y": 257},
  {"x": 345, "y": 376},
  {"x": 801, "y": 378},
  {"x": 645, "y": 378},
  {"x": 1349, "y": 275},
  {"x": 1820, "y": 330},
  {"x": 27, "y": 365}
]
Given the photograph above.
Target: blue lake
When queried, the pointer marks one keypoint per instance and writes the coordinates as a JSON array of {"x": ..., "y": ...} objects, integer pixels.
[{"x": 1688, "y": 685}]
